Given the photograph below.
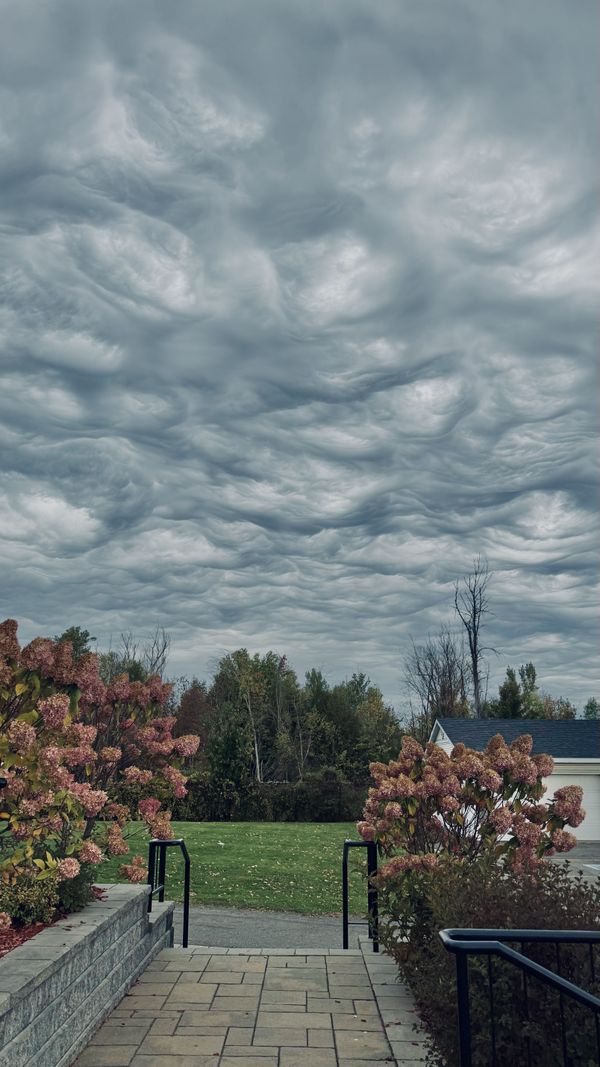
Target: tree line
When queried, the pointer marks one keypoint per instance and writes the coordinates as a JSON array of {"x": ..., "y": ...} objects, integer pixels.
[
  {"x": 448, "y": 674},
  {"x": 259, "y": 722}
]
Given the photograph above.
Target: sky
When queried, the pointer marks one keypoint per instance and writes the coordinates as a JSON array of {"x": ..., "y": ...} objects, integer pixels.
[{"x": 299, "y": 314}]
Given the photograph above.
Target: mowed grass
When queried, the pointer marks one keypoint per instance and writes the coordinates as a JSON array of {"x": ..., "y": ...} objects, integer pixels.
[{"x": 270, "y": 866}]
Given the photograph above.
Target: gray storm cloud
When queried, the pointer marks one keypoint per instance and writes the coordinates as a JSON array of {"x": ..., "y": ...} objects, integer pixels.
[{"x": 298, "y": 314}]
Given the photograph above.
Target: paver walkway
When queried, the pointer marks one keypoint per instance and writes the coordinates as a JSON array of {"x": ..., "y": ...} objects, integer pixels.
[{"x": 275, "y": 1008}]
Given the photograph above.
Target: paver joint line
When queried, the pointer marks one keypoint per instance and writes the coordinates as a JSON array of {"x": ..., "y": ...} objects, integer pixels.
[{"x": 286, "y": 1008}]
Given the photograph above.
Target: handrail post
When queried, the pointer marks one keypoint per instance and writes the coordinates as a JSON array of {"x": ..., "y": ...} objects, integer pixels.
[
  {"x": 345, "y": 896},
  {"x": 186, "y": 897},
  {"x": 372, "y": 902},
  {"x": 464, "y": 1017},
  {"x": 162, "y": 869},
  {"x": 372, "y": 894},
  {"x": 158, "y": 885},
  {"x": 151, "y": 871}
]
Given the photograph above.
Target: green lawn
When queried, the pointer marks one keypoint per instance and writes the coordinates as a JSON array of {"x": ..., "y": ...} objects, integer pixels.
[{"x": 274, "y": 866}]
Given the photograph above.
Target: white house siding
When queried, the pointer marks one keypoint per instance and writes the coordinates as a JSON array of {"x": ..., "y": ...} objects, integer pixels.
[{"x": 444, "y": 741}]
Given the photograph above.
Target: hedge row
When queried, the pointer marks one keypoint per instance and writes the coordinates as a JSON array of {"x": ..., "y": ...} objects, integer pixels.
[{"x": 318, "y": 798}]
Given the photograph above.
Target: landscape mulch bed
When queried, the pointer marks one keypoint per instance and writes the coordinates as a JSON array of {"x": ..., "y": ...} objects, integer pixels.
[{"x": 13, "y": 936}]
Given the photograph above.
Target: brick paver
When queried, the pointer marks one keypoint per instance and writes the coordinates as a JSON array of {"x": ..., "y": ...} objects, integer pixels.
[{"x": 200, "y": 1006}]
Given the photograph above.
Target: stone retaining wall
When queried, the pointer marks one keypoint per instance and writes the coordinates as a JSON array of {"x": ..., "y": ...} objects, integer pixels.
[{"x": 56, "y": 989}]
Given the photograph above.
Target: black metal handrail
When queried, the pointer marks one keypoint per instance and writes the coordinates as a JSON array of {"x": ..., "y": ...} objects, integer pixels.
[
  {"x": 372, "y": 898},
  {"x": 156, "y": 877},
  {"x": 464, "y": 943}
]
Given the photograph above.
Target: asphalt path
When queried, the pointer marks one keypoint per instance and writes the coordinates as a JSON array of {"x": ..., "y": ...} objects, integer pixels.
[
  {"x": 584, "y": 852},
  {"x": 234, "y": 928},
  {"x": 237, "y": 928}
]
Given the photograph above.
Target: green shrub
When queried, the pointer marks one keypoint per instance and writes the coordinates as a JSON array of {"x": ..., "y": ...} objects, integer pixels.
[
  {"x": 75, "y": 893},
  {"x": 208, "y": 799},
  {"x": 30, "y": 901},
  {"x": 415, "y": 906},
  {"x": 325, "y": 796},
  {"x": 256, "y": 804},
  {"x": 130, "y": 794}
]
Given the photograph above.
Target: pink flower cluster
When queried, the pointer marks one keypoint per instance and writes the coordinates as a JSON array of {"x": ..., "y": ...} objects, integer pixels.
[
  {"x": 68, "y": 868},
  {"x": 160, "y": 827},
  {"x": 21, "y": 736},
  {"x": 91, "y": 800},
  {"x": 148, "y": 808},
  {"x": 563, "y": 841},
  {"x": 81, "y": 734},
  {"x": 90, "y": 853},
  {"x": 186, "y": 746},
  {"x": 134, "y": 776},
  {"x": 118, "y": 812},
  {"x": 51, "y": 756},
  {"x": 116, "y": 844},
  {"x": 428, "y": 803},
  {"x": 54, "y": 710},
  {"x": 501, "y": 819},
  {"x": 71, "y": 735},
  {"x": 33, "y": 805},
  {"x": 110, "y": 754},
  {"x": 567, "y": 804},
  {"x": 9, "y": 645},
  {"x": 177, "y": 781},
  {"x": 426, "y": 861},
  {"x": 134, "y": 871},
  {"x": 80, "y": 755}
]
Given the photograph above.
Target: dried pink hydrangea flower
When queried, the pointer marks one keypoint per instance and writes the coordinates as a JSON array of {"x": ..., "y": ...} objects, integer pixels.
[
  {"x": 68, "y": 868},
  {"x": 21, "y": 736},
  {"x": 54, "y": 710},
  {"x": 90, "y": 853}
]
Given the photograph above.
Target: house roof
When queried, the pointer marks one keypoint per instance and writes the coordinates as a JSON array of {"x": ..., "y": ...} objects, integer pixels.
[{"x": 561, "y": 738}]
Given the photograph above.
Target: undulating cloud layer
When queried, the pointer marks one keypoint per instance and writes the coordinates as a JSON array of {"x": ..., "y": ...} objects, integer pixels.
[{"x": 298, "y": 315}]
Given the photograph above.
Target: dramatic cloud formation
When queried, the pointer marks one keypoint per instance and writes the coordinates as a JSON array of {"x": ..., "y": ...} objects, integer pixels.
[{"x": 297, "y": 317}]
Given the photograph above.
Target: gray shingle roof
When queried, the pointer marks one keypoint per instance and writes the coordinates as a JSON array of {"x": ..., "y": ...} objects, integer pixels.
[{"x": 562, "y": 738}]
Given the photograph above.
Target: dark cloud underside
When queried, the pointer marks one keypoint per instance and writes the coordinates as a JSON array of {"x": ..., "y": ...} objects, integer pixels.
[{"x": 298, "y": 314}]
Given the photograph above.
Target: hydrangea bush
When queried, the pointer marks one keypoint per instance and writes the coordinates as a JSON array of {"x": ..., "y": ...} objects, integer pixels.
[
  {"x": 427, "y": 804},
  {"x": 65, "y": 740}
]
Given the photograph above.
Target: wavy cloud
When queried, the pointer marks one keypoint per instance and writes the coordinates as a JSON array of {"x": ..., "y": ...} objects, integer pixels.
[{"x": 298, "y": 315}]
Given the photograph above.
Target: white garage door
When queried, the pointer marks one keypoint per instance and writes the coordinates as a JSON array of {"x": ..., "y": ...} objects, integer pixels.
[{"x": 590, "y": 783}]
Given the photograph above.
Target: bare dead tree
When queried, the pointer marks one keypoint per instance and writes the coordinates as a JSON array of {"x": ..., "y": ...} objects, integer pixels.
[
  {"x": 437, "y": 674},
  {"x": 472, "y": 605},
  {"x": 156, "y": 651},
  {"x": 128, "y": 647},
  {"x": 137, "y": 661}
]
